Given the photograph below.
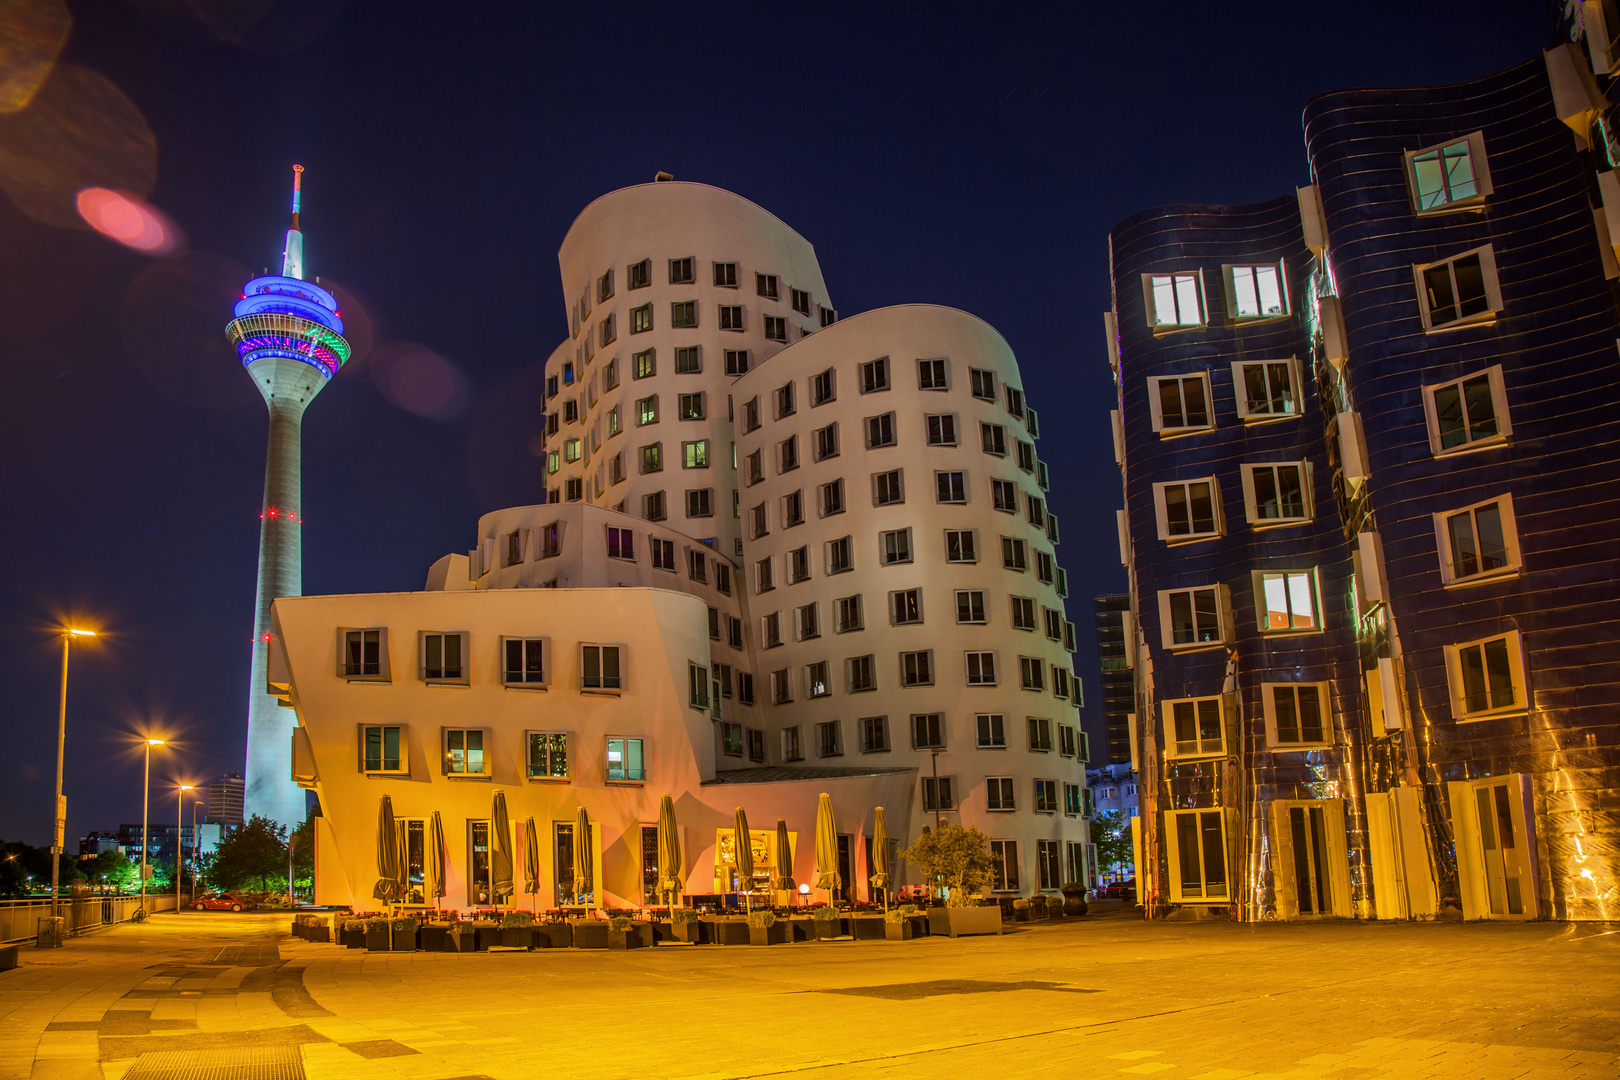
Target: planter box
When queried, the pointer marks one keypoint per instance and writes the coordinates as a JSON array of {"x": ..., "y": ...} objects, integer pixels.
[
  {"x": 695, "y": 933},
  {"x": 553, "y": 935},
  {"x": 648, "y": 934},
  {"x": 899, "y": 931},
  {"x": 776, "y": 934},
  {"x": 1074, "y": 903},
  {"x": 624, "y": 939},
  {"x": 919, "y": 925},
  {"x": 661, "y": 931},
  {"x": 956, "y": 921},
  {"x": 353, "y": 939},
  {"x": 591, "y": 934},
  {"x": 320, "y": 935},
  {"x": 801, "y": 929},
  {"x": 379, "y": 941},
  {"x": 433, "y": 935},
  {"x": 461, "y": 943},
  {"x": 827, "y": 929},
  {"x": 488, "y": 934},
  {"x": 868, "y": 928},
  {"x": 517, "y": 937},
  {"x": 402, "y": 940},
  {"x": 730, "y": 933}
]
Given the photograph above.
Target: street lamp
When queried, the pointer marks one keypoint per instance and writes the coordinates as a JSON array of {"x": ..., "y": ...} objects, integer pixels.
[
  {"x": 59, "y": 807},
  {"x": 180, "y": 839},
  {"x": 146, "y": 806},
  {"x": 196, "y": 848}
]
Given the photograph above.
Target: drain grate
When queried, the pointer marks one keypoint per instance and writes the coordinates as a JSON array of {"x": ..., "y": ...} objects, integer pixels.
[
  {"x": 938, "y": 987},
  {"x": 252, "y": 1063},
  {"x": 248, "y": 955}
]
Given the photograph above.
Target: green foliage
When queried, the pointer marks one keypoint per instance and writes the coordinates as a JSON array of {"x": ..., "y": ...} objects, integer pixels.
[
  {"x": 894, "y": 915},
  {"x": 354, "y": 925},
  {"x": 824, "y": 913},
  {"x": 683, "y": 915},
  {"x": 957, "y": 858},
  {"x": 114, "y": 870},
  {"x": 250, "y": 858},
  {"x": 303, "y": 856},
  {"x": 462, "y": 929},
  {"x": 619, "y": 922},
  {"x": 375, "y": 924},
  {"x": 761, "y": 920},
  {"x": 909, "y": 910},
  {"x": 1111, "y": 832},
  {"x": 1022, "y": 905},
  {"x": 517, "y": 920},
  {"x": 403, "y": 922}
]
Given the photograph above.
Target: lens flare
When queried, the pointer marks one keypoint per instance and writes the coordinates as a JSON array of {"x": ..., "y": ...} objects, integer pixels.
[
  {"x": 32, "y": 33},
  {"x": 80, "y": 132},
  {"x": 419, "y": 380},
  {"x": 128, "y": 220}
]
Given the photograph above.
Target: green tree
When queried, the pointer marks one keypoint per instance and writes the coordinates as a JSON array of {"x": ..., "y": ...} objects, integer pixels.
[
  {"x": 955, "y": 857},
  {"x": 113, "y": 869},
  {"x": 1111, "y": 832},
  {"x": 250, "y": 858},
  {"x": 303, "y": 856}
]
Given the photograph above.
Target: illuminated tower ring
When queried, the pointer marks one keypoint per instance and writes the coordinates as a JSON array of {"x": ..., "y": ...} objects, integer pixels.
[{"x": 289, "y": 336}]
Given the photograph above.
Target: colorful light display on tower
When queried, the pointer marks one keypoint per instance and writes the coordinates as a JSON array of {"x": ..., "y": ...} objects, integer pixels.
[{"x": 289, "y": 335}]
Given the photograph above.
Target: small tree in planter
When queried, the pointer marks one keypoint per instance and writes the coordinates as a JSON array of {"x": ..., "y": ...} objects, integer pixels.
[
  {"x": 1021, "y": 910},
  {"x": 354, "y": 933},
  {"x": 462, "y": 937},
  {"x": 379, "y": 937},
  {"x": 826, "y": 921},
  {"x": 402, "y": 933},
  {"x": 1074, "y": 898},
  {"x": 684, "y": 923},
  {"x": 763, "y": 929},
  {"x": 622, "y": 933},
  {"x": 517, "y": 930},
  {"x": 957, "y": 859},
  {"x": 897, "y": 925}
]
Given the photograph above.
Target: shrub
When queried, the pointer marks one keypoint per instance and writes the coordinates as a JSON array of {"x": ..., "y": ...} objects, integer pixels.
[
  {"x": 620, "y": 922},
  {"x": 376, "y": 923},
  {"x": 461, "y": 929},
  {"x": 1020, "y": 905},
  {"x": 517, "y": 920},
  {"x": 404, "y": 922},
  {"x": 1072, "y": 886},
  {"x": 956, "y": 857},
  {"x": 355, "y": 925},
  {"x": 824, "y": 913},
  {"x": 910, "y": 910},
  {"x": 762, "y": 920},
  {"x": 683, "y": 915},
  {"x": 894, "y": 915}
]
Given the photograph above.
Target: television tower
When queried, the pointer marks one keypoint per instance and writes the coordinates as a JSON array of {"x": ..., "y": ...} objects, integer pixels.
[{"x": 290, "y": 338}]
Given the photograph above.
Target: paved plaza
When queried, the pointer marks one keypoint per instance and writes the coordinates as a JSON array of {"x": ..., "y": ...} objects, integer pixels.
[{"x": 216, "y": 996}]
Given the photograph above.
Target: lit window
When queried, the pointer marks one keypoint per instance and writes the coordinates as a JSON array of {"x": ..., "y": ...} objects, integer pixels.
[
  {"x": 1277, "y": 494},
  {"x": 1467, "y": 413},
  {"x": 548, "y": 755},
  {"x": 1459, "y": 291},
  {"x": 652, "y": 458},
  {"x": 641, "y": 319},
  {"x": 1256, "y": 292},
  {"x": 905, "y": 607},
  {"x": 1296, "y": 714},
  {"x": 647, "y": 411},
  {"x": 1174, "y": 301},
  {"x": 1266, "y": 389},
  {"x": 644, "y": 363},
  {"x": 1193, "y": 728},
  {"x": 625, "y": 759},
  {"x": 464, "y": 752},
  {"x": 1479, "y": 542},
  {"x": 1198, "y": 858},
  {"x": 696, "y": 454},
  {"x": 691, "y": 406},
  {"x": 1190, "y": 617},
  {"x": 1180, "y": 403},
  {"x": 1487, "y": 677},
  {"x": 1449, "y": 177},
  {"x": 1286, "y": 600},
  {"x": 1188, "y": 509}
]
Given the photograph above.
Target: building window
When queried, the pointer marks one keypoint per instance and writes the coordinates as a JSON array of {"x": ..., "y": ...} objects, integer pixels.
[
  {"x": 383, "y": 749},
  {"x": 1061, "y": 681},
  {"x": 652, "y": 506},
  {"x": 1453, "y": 176},
  {"x": 600, "y": 667},
  {"x": 1015, "y": 403},
  {"x": 874, "y": 734},
  {"x": 1068, "y": 743},
  {"x": 607, "y": 332},
  {"x": 896, "y": 546},
  {"x": 888, "y": 488},
  {"x": 839, "y": 555},
  {"x": 464, "y": 752},
  {"x": 548, "y": 755},
  {"x": 950, "y": 487},
  {"x": 1467, "y": 413},
  {"x": 766, "y": 286},
  {"x": 800, "y": 300},
  {"x": 1191, "y": 616},
  {"x": 960, "y": 546},
  {"x": 763, "y": 578},
  {"x": 781, "y": 687},
  {"x": 736, "y": 359},
  {"x": 847, "y": 614},
  {"x": 1004, "y": 860},
  {"x": 731, "y": 740},
  {"x": 641, "y": 319},
  {"x": 1197, "y": 850},
  {"x": 696, "y": 454},
  {"x": 663, "y": 554},
  {"x": 681, "y": 272},
  {"x": 941, "y": 429},
  {"x": 697, "y": 680},
  {"x": 1286, "y": 600},
  {"x": 1023, "y": 613},
  {"x": 1180, "y": 403},
  {"x": 604, "y": 287},
  {"x": 574, "y": 490},
  {"x": 524, "y": 662},
  {"x": 905, "y": 607},
  {"x": 1295, "y": 714},
  {"x": 1046, "y": 802},
  {"x": 807, "y": 620},
  {"x": 792, "y": 509},
  {"x": 983, "y": 383},
  {"x": 1487, "y": 677},
  {"x": 825, "y": 441},
  {"x": 829, "y": 740},
  {"x": 1188, "y": 510},
  {"x": 1459, "y": 291},
  {"x": 638, "y": 275},
  {"x": 689, "y": 360},
  {"x": 700, "y": 503},
  {"x": 787, "y": 454},
  {"x": 932, "y": 375},
  {"x": 875, "y": 375},
  {"x": 441, "y": 659},
  {"x": 992, "y": 731},
  {"x": 1267, "y": 389},
  {"x": 756, "y": 745},
  {"x": 917, "y": 668},
  {"x": 1256, "y": 292},
  {"x": 1479, "y": 542},
  {"x": 1000, "y": 794},
  {"x": 981, "y": 668},
  {"x": 725, "y": 275},
  {"x": 1032, "y": 673},
  {"x": 791, "y": 748},
  {"x": 745, "y": 688},
  {"x": 880, "y": 431},
  {"x": 1054, "y": 623},
  {"x": 625, "y": 761},
  {"x": 970, "y": 607},
  {"x": 832, "y": 498},
  {"x": 647, "y": 411},
  {"x": 621, "y": 544},
  {"x": 691, "y": 406},
  {"x": 1174, "y": 301},
  {"x": 1004, "y": 496},
  {"x": 1040, "y": 735},
  {"x": 644, "y": 364},
  {"x": 775, "y": 328},
  {"x": 1073, "y": 804},
  {"x": 928, "y": 730},
  {"x": 938, "y": 794},
  {"x": 734, "y": 627},
  {"x": 827, "y": 315},
  {"x": 722, "y": 579},
  {"x": 1014, "y": 554},
  {"x": 1277, "y": 494},
  {"x": 683, "y": 314},
  {"x": 771, "y": 629},
  {"x": 798, "y": 565},
  {"x": 822, "y": 388},
  {"x": 861, "y": 675},
  {"x": 993, "y": 437},
  {"x": 1195, "y": 728}
]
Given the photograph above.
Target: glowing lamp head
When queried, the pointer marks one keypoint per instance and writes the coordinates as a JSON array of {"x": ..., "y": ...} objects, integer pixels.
[
  {"x": 804, "y": 890},
  {"x": 155, "y": 742},
  {"x": 74, "y": 631}
]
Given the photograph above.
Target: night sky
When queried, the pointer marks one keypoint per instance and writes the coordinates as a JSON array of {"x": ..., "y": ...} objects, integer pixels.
[{"x": 974, "y": 157}]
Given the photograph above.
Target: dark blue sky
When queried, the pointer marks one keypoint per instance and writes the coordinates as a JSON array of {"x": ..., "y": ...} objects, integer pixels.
[{"x": 974, "y": 156}]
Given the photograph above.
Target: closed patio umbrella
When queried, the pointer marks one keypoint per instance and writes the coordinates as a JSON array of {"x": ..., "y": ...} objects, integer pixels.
[
  {"x": 784, "y": 858},
  {"x": 500, "y": 851},
  {"x": 745, "y": 857},
  {"x": 582, "y": 854},
  {"x": 531, "y": 860},
  {"x": 827, "y": 876},
  {"x": 669, "y": 849},
  {"x": 433, "y": 872},
  {"x": 879, "y": 857},
  {"x": 387, "y": 887}
]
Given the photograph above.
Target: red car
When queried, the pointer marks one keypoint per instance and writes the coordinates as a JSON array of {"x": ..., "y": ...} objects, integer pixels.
[{"x": 221, "y": 902}]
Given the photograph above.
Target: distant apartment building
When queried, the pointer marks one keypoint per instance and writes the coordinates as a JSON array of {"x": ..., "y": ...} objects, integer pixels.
[
  {"x": 1369, "y": 435},
  {"x": 225, "y": 800},
  {"x": 1111, "y": 731}
]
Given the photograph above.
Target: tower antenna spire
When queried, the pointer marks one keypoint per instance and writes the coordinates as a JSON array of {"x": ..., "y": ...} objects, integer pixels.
[{"x": 292, "y": 256}]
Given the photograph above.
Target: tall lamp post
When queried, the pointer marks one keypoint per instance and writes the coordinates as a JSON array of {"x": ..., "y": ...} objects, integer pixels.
[
  {"x": 59, "y": 807},
  {"x": 196, "y": 848},
  {"x": 146, "y": 806},
  {"x": 180, "y": 839}
]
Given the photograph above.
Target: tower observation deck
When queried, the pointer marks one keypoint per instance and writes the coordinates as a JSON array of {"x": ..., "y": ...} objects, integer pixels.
[{"x": 289, "y": 335}]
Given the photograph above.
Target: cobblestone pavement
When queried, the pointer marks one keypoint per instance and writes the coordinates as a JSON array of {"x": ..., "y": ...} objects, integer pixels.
[{"x": 216, "y": 996}]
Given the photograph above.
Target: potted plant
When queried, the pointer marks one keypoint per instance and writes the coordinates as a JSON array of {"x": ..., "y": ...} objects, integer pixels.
[
  {"x": 434, "y": 935},
  {"x": 402, "y": 933},
  {"x": 517, "y": 930},
  {"x": 763, "y": 929},
  {"x": 378, "y": 936},
  {"x": 317, "y": 930},
  {"x": 684, "y": 924},
  {"x": 729, "y": 930},
  {"x": 1021, "y": 910},
  {"x": 354, "y": 933},
  {"x": 958, "y": 859},
  {"x": 896, "y": 925},
  {"x": 590, "y": 934},
  {"x": 462, "y": 937},
  {"x": 826, "y": 921},
  {"x": 1074, "y": 898},
  {"x": 622, "y": 933}
]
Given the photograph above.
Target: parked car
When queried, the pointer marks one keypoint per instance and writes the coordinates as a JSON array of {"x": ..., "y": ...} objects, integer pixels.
[
  {"x": 222, "y": 902},
  {"x": 1121, "y": 890}
]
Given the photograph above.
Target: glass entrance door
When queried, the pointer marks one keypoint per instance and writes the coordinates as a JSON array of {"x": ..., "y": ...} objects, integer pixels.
[
  {"x": 1499, "y": 842},
  {"x": 1307, "y": 826}
]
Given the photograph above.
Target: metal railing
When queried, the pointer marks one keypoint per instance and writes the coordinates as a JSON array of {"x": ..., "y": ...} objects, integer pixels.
[{"x": 19, "y": 919}]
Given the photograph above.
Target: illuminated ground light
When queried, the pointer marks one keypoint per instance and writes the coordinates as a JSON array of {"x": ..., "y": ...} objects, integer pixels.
[{"x": 127, "y": 220}]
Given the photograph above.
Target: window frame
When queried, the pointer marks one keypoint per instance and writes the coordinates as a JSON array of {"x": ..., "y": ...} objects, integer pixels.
[
  {"x": 1518, "y": 673},
  {"x": 1499, "y": 406},
  {"x": 546, "y": 660},
  {"x": 972, "y": 658},
  {"x": 464, "y": 678},
  {"x": 1150, "y": 306},
  {"x": 1510, "y": 541},
  {"x": 879, "y": 725},
  {"x": 618, "y": 660},
  {"x": 529, "y": 774},
  {"x": 1000, "y": 795},
  {"x": 924, "y": 677},
  {"x": 1274, "y": 739},
  {"x": 1229, "y": 275},
  {"x": 1156, "y": 405},
  {"x": 1161, "y": 510},
  {"x": 403, "y": 768},
  {"x": 607, "y": 766},
  {"x": 1201, "y": 749},
  {"x": 1263, "y": 612},
  {"x": 383, "y": 672},
  {"x": 1251, "y": 503},
  {"x": 1478, "y": 161},
  {"x": 486, "y": 753},
  {"x": 985, "y": 728},
  {"x": 1178, "y": 891},
  {"x": 1490, "y": 281},
  {"x": 1296, "y": 390},
  {"x": 1223, "y": 618}
]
